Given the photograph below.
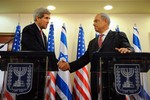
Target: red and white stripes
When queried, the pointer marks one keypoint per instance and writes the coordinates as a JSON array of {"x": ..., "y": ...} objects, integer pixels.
[
  {"x": 50, "y": 86},
  {"x": 81, "y": 87}
]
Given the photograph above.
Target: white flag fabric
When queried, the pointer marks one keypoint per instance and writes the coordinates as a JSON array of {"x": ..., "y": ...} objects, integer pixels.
[{"x": 63, "y": 84}]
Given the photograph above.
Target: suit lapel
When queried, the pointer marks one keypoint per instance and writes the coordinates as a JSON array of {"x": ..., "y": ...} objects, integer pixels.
[
  {"x": 45, "y": 40},
  {"x": 38, "y": 34},
  {"x": 109, "y": 35}
]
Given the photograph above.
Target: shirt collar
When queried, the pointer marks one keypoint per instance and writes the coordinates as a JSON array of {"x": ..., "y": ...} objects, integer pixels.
[
  {"x": 38, "y": 27},
  {"x": 105, "y": 32}
]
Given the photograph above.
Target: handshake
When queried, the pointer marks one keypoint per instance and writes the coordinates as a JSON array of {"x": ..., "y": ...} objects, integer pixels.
[{"x": 63, "y": 65}]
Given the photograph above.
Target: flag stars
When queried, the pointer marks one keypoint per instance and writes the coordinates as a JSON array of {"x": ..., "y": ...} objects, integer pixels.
[
  {"x": 81, "y": 46},
  {"x": 51, "y": 39}
]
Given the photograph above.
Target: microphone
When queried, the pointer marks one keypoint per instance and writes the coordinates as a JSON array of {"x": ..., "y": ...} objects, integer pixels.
[{"x": 6, "y": 43}]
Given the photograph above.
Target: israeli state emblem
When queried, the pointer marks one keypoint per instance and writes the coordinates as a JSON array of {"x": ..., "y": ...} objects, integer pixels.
[
  {"x": 127, "y": 78},
  {"x": 19, "y": 77}
]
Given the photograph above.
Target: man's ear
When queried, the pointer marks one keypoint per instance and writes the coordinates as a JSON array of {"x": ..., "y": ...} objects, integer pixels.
[
  {"x": 37, "y": 18},
  {"x": 106, "y": 20}
]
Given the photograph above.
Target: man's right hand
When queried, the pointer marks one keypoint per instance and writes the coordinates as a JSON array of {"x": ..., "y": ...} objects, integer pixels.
[{"x": 63, "y": 65}]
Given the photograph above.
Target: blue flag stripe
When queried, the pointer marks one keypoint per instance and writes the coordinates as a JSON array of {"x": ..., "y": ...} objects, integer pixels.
[
  {"x": 143, "y": 94},
  {"x": 136, "y": 29},
  {"x": 136, "y": 41},
  {"x": 63, "y": 86},
  {"x": 63, "y": 39}
]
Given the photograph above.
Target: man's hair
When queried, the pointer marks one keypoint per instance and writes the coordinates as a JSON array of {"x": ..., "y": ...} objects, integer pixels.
[
  {"x": 40, "y": 13},
  {"x": 105, "y": 16}
]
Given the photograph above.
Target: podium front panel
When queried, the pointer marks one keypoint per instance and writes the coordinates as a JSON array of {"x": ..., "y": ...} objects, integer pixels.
[
  {"x": 26, "y": 72},
  {"x": 115, "y": 75}
]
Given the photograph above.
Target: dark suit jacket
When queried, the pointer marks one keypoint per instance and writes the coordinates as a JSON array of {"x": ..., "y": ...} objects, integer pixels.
[
  {"x": 112, "y": 40},
  {"x": 32, "y": 40}
]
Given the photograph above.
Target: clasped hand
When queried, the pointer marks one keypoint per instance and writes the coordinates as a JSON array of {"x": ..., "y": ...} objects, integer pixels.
[{"x": 63, "y": 65}]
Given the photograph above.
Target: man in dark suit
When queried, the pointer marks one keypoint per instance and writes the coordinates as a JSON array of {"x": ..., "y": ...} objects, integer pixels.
[
  {"x": 112, "y": 42},
  {"x": 33, "y": 39}
]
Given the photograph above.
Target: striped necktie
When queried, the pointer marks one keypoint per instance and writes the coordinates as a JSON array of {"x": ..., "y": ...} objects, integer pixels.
[{"x": 42, "y": 35}]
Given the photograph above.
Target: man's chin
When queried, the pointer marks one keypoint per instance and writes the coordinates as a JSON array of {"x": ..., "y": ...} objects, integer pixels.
[
  {"x": 44, "y": 27},
  {"x": 96, "y": 30}
]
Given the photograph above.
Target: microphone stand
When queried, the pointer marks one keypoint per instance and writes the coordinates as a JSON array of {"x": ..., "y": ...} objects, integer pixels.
[{"x": 6, "y": 43}]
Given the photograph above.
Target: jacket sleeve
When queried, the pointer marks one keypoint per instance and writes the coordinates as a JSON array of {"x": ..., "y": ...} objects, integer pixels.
[{"x": 124, "y": 42}]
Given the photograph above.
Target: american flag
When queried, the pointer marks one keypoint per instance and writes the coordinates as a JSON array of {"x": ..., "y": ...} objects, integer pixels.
[
  {"x": 143, "y": 95},
  {"x": 16, "y": 44},
  {"x": 15, "y": 48},
  {"x": 63, "y": 86},
  {"x": 81, "y": 89},
  {"x": 51, "y": 76}
]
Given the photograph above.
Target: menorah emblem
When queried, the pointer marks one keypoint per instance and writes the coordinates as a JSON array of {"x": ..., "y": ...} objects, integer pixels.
[
  {"x": 19, "y": 78},
  {"x": 127, "y": 72},
  {"x": 19, "y": 71},
  {"x": 127, "y": 78}
]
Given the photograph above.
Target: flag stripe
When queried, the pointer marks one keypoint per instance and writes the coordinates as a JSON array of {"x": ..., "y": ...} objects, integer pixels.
[
  {"x": 52, "y": 91},
  {"x": 143, "y": 94},
  {"x": 53, "y": 79},
  {"x": 82, "y": 85},
  {"x": 81, "y": 90},
  {"x": 136, "y": 48},
  {"x": 83, "y": 80},
  {"x": 63, "y": 86},
  {"x": 8, "y": 96},
  {"x": 86, "y": 71},
  {"x": 136, "y": 41},
  {"x": 76, "y": 93},
  {"x": 63, "y": 37},
  {"x": 63, "y": 50}
]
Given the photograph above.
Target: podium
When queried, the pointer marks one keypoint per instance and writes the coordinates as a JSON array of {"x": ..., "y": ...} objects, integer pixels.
[
  {"x": 25, "y": 73},
  {"x": 114, "y": 75}
]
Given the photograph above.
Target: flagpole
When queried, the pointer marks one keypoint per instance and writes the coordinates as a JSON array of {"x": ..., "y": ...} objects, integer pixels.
[{"x": 46, "y": 70}]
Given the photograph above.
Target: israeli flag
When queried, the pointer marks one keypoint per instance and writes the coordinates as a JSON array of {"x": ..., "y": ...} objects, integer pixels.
[
  {"x": 143, "y": 95},
  {"x": 63, "y": 86}
]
